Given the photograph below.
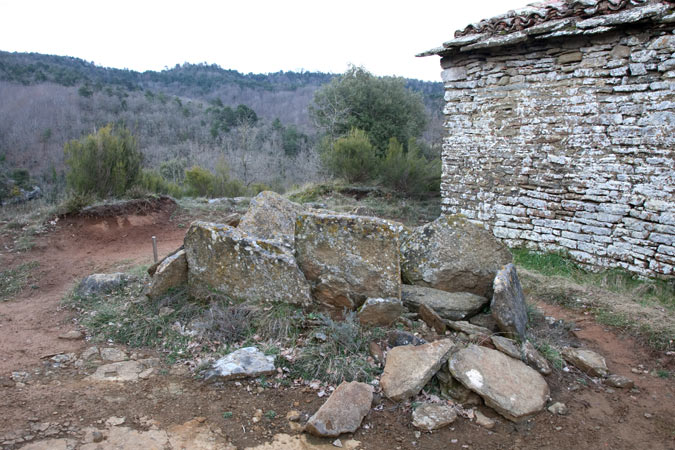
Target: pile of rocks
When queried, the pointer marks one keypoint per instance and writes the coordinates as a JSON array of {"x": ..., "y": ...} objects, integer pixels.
[{"x": 452, "y": 269}]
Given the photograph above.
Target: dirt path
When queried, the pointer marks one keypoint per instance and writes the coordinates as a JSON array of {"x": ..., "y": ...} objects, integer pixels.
[
  {"x": 30, "y": 325},
  {"x": 56, "y": 402}
]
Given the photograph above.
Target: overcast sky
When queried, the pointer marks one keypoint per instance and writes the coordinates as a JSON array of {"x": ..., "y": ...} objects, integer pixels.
[{"x": 249, "y": 36}]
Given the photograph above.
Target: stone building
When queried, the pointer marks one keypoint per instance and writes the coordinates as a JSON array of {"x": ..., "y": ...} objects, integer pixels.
[{"x": 561, "y": 130}]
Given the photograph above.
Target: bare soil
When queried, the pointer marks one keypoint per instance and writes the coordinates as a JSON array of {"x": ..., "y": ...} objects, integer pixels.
[{"x": 30, "y": 324}]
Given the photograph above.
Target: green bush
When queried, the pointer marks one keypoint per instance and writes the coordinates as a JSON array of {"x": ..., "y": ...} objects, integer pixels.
[
  {"x": 409, "y": 172},
  {"x": 106, "y": 163},
  {"x": 352, "y": 157},
  {"x": 199, "y": 181},
  {"x": 223, "y": 185},
  {"x": 152, "y": 181}
]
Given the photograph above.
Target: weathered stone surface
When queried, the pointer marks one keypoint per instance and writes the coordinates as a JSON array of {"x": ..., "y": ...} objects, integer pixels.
[
  {"x": 558, "y": 408},
  {"x": 171, "y": 272},
  {"x": 409, "y": 368},
  {"x": 619, "y": 381},
  {"x": 469, "y": 329},
  {"x": 229, "y": 261},
  {"x": 433, "y": 320},
  {"x": 485, "y": 320},
  {"x": 243, "y": 363},
  {"x": 348, "y": 258},
  {"x": 452, "y": 254},
  {"x": 506, "y": 346},
  {"x": 507, "y": 385},
  {"x": 101, "y": 283},
  {"x": 113, "y": 354},
  {"x": 508, "y": 303},
  {"x": 449, "y": 305},
  {"x": 380, "y": 311},
  {"x": 73, "y": 335},
  {"x": 343, "y": 411},
  {"x": 535, "y": 359},
  {"x": 586, "y": 360},
  {"x": 432, "y": 416},
  {"x": 271, "y": 217},
  {"x": 123, "y": 371},
  {"x": 397, "y": 338},
  {"x": 484, "y": 421},
  {"x": 453, "y": 389}
]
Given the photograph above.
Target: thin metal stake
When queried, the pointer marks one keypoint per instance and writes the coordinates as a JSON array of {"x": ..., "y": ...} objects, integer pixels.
[{"x": 154, "y": 247}]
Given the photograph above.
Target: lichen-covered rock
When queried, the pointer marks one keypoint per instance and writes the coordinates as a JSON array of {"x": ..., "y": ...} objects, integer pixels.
[
  {"x": 586, "y": 360},
  {"x": 507, "y": 385},
  {"x": 432, "y": 416},
  {"x": 448, "y": 305},
  {"x": 101, "y": 283},
  {"x": 171, "y": 272},
  {"x": 343, "y": 411},
  {"x": 452, "y": 254},
  {"x": 224, "y": 259},
  {"x": 506, "y": 346},
  {"x": 409, "y": 368},
  {"x": 380, "y": 311},
  {"x": 242, "y": 363},
  {"x": 347, "y": 258},
  {"x": 508, "y": 303},
  {"x": 271, "y": 217}
]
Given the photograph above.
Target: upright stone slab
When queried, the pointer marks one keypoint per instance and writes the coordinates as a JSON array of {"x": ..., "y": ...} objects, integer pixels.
[
  {"x": 452, "y": 254},
  {"x": 507, "y": 385},
  {"x": 227, "y": 260},
  {"x": 271, "y": 217},
  {"x": 171, "y": 272},
  {"x": 409, "y": 368},
  {"x": 508, "y": 303},
  {"x": 347, "y": 258}
]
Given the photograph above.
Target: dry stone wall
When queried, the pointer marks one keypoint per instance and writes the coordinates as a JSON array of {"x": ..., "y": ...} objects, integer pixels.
[{"x": 568, "y": 144}]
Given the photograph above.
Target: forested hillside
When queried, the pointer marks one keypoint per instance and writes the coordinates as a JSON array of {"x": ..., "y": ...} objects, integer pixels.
[{"x": 192, "y": 114}]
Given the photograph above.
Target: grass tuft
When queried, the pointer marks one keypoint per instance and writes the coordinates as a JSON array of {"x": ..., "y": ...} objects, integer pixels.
[{"x": 12, "y": 281}]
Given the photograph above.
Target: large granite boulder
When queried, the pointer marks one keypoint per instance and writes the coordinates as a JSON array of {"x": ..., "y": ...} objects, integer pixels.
[
  {"x": 452, "y": 254},
  {"x": 409, "y": 368},
  {"x": 227, "y": 260},
  {"x": 508, "y": 303},
  {"x": 171, "y": 272},
  {"x": 507, "y": 385},
  {"x": 271, "y": 217},
  {"x": 347, "y": 258},
  {"x": 343, "y": 411},
  {"x": 448, "y": 305}
]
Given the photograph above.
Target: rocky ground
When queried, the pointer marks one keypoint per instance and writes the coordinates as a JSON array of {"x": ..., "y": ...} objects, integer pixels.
[{"x": 60, "y": 390}]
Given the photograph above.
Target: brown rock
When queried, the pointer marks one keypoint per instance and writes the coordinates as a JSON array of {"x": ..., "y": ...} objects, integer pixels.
[
  {"x": 380, "y": 311},
  {"x": 343, "y": 411},
  {"x": 619, "y": 381},
  {"x": 432, "y": 319},
  {"x": 432, "y": 416},
  {"x": 409, "y": 368},
  {"x": 448, "y": 305},
  {"x": 587, "y": 361},
  {"x": 535, "y": 359},
  {"x": 171, "y": 272},
  {"x": 271, "y": 217}
]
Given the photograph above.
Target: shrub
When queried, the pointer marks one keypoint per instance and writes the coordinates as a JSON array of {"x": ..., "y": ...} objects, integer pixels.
[
  {"x": 200, "y": 181},
  {"x": 223, "y": 185},
  {"x": 152, "y": 181},
  {"x": 105, "y": 163},
  {"x": 409, "y": 172},
  {"x": 352, "y": 157}
]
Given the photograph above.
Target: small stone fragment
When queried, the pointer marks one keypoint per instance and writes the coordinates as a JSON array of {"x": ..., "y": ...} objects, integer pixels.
[
  {"x": 587, "y": 361},
  {"x": 113, "y": 354},
  {"x": 337, "y": 443},
  {"x": 484, "y": 421},
  {"x": 245, "y": 362},
  {"x": 535, "y": 359},
  {"x": 558, "y": 408},
  {"x": 506, "y": 346},
  {"x": 619, "y": 381},
  {"x": 432, "y": 416},
  {"x": 397, "y": 338},
  {"x": 73, "y": 335},
  {"x": 380, "y": 311},
  {"x": 293, "y": 415},
  {"x": 90, "y": 353}
]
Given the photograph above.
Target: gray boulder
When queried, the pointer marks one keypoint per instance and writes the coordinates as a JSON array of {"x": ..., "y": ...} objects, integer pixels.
[
  {"x": 343, "y": 411},
  {"x": 171, "y": 272},
  {"x": 432, "y": 416},
  {"x": 380, "y": 311},
  {"x": 348, "y": 259},
  {"x": 226, "y": 260},
  {"x": 452, "y": 254},
  {"x": 507, "y": 385},
  {"x": 102, "y": 283},
  {"x": 243, "y": 363},
  {"x": 409, "y": 368},
  {"x": 508, "y": 303},
  {"x": 271, "y": 217},
  {"x": 448, "y": 305}
]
